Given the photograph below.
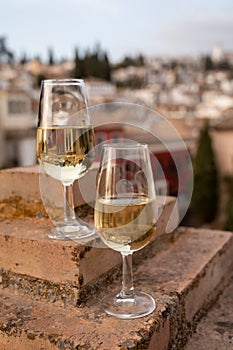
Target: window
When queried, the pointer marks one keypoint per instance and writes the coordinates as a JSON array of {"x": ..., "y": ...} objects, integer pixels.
[{"x": 17, "y": 107}]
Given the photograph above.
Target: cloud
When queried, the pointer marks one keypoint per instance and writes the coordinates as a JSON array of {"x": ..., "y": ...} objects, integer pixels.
[
  {"x": 197, "y": 33},
  {"x": 123, "y": 27}
]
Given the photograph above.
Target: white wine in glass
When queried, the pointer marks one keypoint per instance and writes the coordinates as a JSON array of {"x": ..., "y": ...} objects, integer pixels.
[
  {"x": 125, "y": 217},
  {"x": 65, "y": 145}
]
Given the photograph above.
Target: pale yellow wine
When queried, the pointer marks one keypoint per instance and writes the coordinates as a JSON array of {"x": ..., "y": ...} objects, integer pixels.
[
  {"x": 126, "y": 224},
  {"x": 66, "y": 153}
]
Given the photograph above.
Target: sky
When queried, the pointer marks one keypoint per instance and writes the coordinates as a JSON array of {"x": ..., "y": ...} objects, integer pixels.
[{"x": 121, "y": 27}]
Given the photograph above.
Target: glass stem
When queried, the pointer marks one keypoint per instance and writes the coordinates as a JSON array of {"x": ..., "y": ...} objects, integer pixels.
[
  {"x": 127, "y": 290},
  {"x": 69, "y": 213}
]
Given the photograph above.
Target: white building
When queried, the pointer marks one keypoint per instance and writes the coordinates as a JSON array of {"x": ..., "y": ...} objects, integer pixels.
[
  {"x": 17, "y": 129},
  {"x": 99, "y": 91}
]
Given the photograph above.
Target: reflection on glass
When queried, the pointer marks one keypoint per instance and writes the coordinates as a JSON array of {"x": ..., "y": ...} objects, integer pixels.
[
  {"x": 125, "y": 216},
  {"x": 65, "y": 145}
]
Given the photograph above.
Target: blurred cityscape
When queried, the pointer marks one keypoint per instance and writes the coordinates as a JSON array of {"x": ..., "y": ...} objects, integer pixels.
[{"x": 188, "y": 91}]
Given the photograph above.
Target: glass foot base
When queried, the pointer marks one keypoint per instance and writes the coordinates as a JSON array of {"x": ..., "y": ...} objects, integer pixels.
[
  {"x": 74, "y": 231},
  {"x": 140, "y": 305}
]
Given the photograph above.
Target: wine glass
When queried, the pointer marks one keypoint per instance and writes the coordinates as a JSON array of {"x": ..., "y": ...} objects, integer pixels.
[
  {"x": 125, "y": 217},
  {"x": 65, "y": 145}
]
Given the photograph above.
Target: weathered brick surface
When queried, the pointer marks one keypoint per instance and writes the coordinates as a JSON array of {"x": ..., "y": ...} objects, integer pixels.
[
  {"x": 30, "y": 260},
  {"x": 183, "y": 270},
  {"x": 36, "y": 264},
  {"x": 22, "y": 182},
  {"x": 211, "y": 274},
  {"x": 58, "y": 269},
  {"x": 42, "y": 324},
  {"x": 215, "y": 331},
  {"x": 28, "y": 183},
  {"x": 170, "y": 274}
]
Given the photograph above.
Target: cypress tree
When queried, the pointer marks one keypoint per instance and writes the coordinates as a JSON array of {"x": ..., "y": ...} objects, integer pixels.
[
  {"x": 228, "y": 225},
  {"x": 51, "y": 60},
  {"x": 205, "y": 191},
  {"x": 106, "y": 68},
  {"x": 92, "y": 64},
  {"x": 77, "y": 65},
  {"x": 86, "y": 65}
]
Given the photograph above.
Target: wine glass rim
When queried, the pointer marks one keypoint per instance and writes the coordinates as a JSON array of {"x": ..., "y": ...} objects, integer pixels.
[
  {"x": 125, "y": 145},
  {"x": 63, "y": 81}
]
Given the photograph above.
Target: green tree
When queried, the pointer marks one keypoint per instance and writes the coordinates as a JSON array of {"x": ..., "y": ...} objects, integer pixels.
[
  {"x": 205, "y": 192},
  {"x": 207, "y": 63},
  {"x": 77, "y": 65},
  {"x": 87, "y": 69},
  {"x": 92, "y": 64},
  {"x": 139, "y": 61},
  {"x": 24, "y": 59},
  {"x": 39, "y": 79},
  {"x": 127, "y": 61},
  {"x": 228, "y": 225},
  {"x": 51, "y": 60},
  {"x": 106, "y": 68}
]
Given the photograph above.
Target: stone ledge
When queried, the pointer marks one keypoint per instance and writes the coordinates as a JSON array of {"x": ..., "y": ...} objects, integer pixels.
[
  {"x": 54, "y": 270},
  {"x": 183, "y": 270},
  {"x": 22, "y": 182},
  {"x": 45, "y": 267},
  {"x": 58, "y": 270},
  {"x": 23, "y": 194},
  {"x": 214, "y": 331},
  {"x": 27, "y": 186},
  {"x": 183, "y": 276}
]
